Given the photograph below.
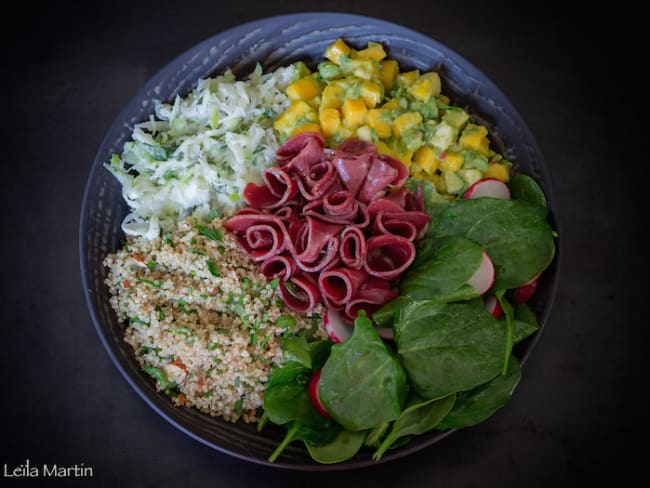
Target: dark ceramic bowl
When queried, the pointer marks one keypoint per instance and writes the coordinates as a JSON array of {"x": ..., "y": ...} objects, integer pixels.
[{"x": 273, "y": 42}]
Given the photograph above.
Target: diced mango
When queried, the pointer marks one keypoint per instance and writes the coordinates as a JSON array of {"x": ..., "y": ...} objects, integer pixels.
[
  {"x": 304, "y": 89},
  {"x": 382, "y": 148},
  {"x": 373, "y": 51},
  {"x": 444, "y": 99},
  {"x": 475, "y": 137},
  {"x": 354, "y": 112},
  {"x": 330, "y": 121},
  {"x": 392, "y": 104},
  {"x": 290, "y": 116},
  {"x": 439, "y": 182},
  {"x": 377, "y": 122},
  {"x": 450, "y": 161},
  {"x": 311, "y": 127},
  {"x": 498, "y": 171},
  {"x": 425, "y": 158},
  {"x": 332, "y": 97},
  {"x": 366, "y": 69},
  {"x": 407, "y": 78},
  {"x": 388, "y": 72},
  {"x": 405, "y": 122},
  {"x": 433, "y": 80},
  {"x": 371, "y": 93},
  {"x": 336, "y": 50}
]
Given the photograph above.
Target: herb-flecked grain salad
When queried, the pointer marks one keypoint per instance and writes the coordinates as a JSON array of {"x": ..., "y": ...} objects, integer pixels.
[{"x": 336, "y": 250}]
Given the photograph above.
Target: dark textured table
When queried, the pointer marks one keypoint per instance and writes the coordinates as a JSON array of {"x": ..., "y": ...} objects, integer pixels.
[{"x": 577, "y": 412}]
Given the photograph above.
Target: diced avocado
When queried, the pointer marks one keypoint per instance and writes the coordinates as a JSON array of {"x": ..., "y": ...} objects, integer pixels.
[
  {"x": 328, "y": 71},
  {"x": 475, "y": 160},
  {"x": 456, "y": 117},
  {"x": 453, "y": 182},
  {"x": 444, "y": 136},
  {"x": 470, "y": 176}
]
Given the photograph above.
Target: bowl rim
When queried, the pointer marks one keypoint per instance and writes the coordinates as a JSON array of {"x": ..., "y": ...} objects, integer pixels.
[{"x": 293, "y": 17}]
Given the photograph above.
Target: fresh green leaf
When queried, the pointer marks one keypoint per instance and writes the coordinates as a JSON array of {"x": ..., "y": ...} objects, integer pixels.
[
  {"x": 285, "y": 321},
  {"x": 419, "y": 417},
  {"x": 362, "y": 383},
  {"x": 298, "y": 431},
  {"x": 286, "y": 397},
  {"x": 160, "y": 376},
  {"x": 523, "y": 187},
  {"x": 213, "y": 268},
  {"x": 509, "y": 314},
  {"x": 514, "y": 233},
  {"x": 474, "y": 406},
  {"x": 441, "y": 270},
  {"x": 344, "y": 447},
  {"x": 448, "y": 347},
  {"x": 525, "y": 323}
]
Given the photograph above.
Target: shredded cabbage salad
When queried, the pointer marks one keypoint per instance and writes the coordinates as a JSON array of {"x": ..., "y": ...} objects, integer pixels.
[{"x": 196, "y": 155}]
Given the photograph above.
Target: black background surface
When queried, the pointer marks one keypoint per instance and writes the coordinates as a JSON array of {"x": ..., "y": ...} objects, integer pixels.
[{"x": 578, "y": 412}]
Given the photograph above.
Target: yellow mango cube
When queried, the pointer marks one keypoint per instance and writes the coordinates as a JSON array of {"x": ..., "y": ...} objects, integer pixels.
[
  {"x": 498, "y": 171},
  {"x": 392, "y": 104},
  {"x": 311, "y": 127},
  {"x": 439, "y": 182},
  {"x": 337, "y": 50},
  {"x": 388, "y": 72},
  {"x": 475, "y": 137},
  {"x": 365, "y": 133},
  {"x": 450, "y": 161},
  {"x": 354, "y": 112},
  {"x": 425, "y": 158},
  {"x": 304, "y": 89},
  {"x": 373, "y": 51},
  {"x": 330, "y": 121},
  {"x": 433, "y": 80},
  {"x": 381, "y": 127},
  {"x": 405, "y": 122},
  {"x": 371, "y": 93},
  {"x": 288, "y": 119},
  {"x": 332, "y": 97},
  {"x": 408, "y": 78}
]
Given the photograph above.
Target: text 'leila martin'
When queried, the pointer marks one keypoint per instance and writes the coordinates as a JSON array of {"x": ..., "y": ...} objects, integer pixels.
[{"x": 28, "y": 470}]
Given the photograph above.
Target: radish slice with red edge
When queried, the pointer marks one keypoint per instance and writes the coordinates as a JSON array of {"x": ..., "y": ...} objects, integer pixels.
[
  {"x": 483, "y": 278},
  {"x": 527, "y": 290},
  {"x": 493, "y": 306},
  {"x": 314, "y": 396},
  {"x": 488, "y": 187},
  {"x": 336, "y": 329}
]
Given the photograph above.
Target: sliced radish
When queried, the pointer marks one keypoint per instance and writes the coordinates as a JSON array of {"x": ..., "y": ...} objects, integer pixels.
[
  {"x": 526, "y": 291},
  {"x": 484, "y": 277},
  {"x": 336, "y": 329},
  {"x": 493, "y": 306},
  {"x": 386, "y": 333},
  {"x": 488, "y": 187},
  {"x": 314, "y": 396}
]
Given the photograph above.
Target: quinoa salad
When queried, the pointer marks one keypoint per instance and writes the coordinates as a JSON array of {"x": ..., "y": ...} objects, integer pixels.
[{"x": 201, "y": 318}]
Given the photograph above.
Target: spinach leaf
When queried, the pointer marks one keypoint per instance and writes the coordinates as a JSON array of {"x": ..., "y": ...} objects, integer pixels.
[
  {"x": 448, "y": 347},
  {"x": 474, "y": 406},
  {"x": 509, "y": 314},
  {"x": 374, "y": 435},
  {"x": 344, "y": 447},
  {"x": 419, "y": 417},
  {"x": 525, "y": 323},
  {"x": 286, "y": 398},
  {"x": 441, "y": 270},
  {"x": 362, "y": 383},
  {"x": 523, "y": 187},
  {"x": 297, "y": 431},
  {"x": 514, "y": 233},
  {"x": 296, "y": 349}
]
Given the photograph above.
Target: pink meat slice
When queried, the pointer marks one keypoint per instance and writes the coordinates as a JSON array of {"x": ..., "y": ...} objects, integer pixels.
[
  {"x": 388, "y": 256},
  {"x": 371, "y": 295},
  {"x": 278, "y": 189},
  {"x": 279, "y": 266},
  {"x": 353, "y": 247},
  {"x": 308, "y": 146},
  {"x": 300, "y": 293},
  {"x": 395, "y": 227},
  {"x": 339, "y": 285},
  {"x": 317, "y": 237},
  {"x": 380, "y": 175}
]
